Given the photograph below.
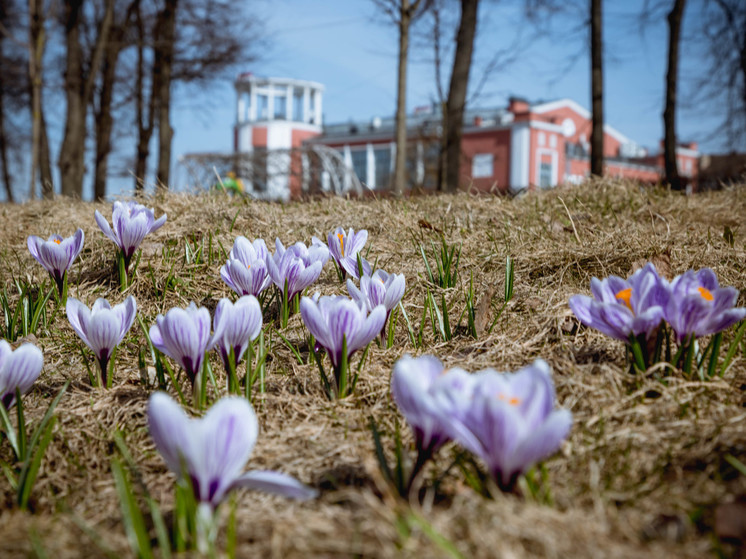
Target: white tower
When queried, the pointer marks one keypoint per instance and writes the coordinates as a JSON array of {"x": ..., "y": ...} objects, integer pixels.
[{"x": 274, "y": 115}]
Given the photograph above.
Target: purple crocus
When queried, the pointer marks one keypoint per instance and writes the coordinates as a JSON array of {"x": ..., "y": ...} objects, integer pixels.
[
  {"x": 213, "y": 450},
  {"x": 510, "y": 422},
  {"x": 238, "y": 324},
  {"x": 184, "y": 335},
  {"x": 699, "y": 306},
  {"x": 102, "y": 327},
  {"x": 131, "y": 222},
  {"x": 18, "y": 370},
  {"x": 429, "y": 397},
  {"x": 332, "y": 318},
  {"x": 379, "y": 289},
  {"x": 245, "y": 272},
  {"x": 338, "y": 322},
  {"x": 620, "y": 308},
  {"x": 56, "y": 254},
  {"x": 345, "y": 248},
  {"x": 297, "y": 266}
]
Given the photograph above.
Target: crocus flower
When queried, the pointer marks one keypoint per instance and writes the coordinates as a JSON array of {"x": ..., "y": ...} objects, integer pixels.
[
  {"x": 238, "y": 324},
  {"x": 345, "y": 248},
  {"x": 296, "y": 265},
  {"x": 184, "y": 335},
  {"x": 379, "y": 289},
  {"x": 213, "y": 450},
  {"x": 18, "y": 370},
  {"x": 416, "y": 384},
  {"x": 131, "y": 222},
  {"x": 102, "y": 327},
  {"x": 331, "y": 318},
  {"x": 622, "y": 307},
  {"x": 245, "y": 272},
  {"x": 699, "y": 306},
  {"x": 510, "y": 422},
  {"x": 56, "y": 254}
]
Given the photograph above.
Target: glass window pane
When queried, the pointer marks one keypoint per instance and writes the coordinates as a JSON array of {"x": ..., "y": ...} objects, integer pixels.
[
  {"x": 383, "y": 167},
  {"x": 360, "y": 164}
]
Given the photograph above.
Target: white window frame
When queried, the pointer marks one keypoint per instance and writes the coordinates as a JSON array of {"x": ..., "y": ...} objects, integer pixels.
[{"x": 480, "y": 162}]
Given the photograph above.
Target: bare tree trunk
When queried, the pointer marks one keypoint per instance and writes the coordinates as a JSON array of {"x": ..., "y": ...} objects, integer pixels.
[
  {"x": 45, "y": 161},
  {"x": 144, "y": 125},
  {"x": 3, "y": 136},
  {"x": 104, "y": 118},
  {"x": 78, "y": 91},
  {"x": 597, "y": 91},
  {"x": 669, "y": 113},
  {"x": 36, "y": 50},
  {"x": 457, "y": 91},
  {"x": 400, "y": 163},
  {"x": 164, "y": 66}
]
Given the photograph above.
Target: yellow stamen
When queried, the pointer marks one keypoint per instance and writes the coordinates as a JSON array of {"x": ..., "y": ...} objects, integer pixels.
[
  {"x": 341, "y": 244},
  {"x": 513, "y": 401},
  {"x": 624, "y": 296},
  {"x": 706, "y": 295},
  {"x": 56, "y": 241}
]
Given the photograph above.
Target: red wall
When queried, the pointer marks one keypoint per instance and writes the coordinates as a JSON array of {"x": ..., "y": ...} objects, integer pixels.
[{"x": 496, "y": 142}]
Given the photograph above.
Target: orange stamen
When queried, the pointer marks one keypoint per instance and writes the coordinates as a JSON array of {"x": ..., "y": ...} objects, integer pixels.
[
  {"x": 341, "y": 244},
  {"x": 56, "y": 241},
  {"x": 513, "y": 401},
  {"x": 706, "y": 295},
  {"x": 624, "y": 296}
]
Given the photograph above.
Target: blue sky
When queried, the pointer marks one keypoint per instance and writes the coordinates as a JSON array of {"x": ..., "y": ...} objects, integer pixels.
[{"x": 349, "y": 47}]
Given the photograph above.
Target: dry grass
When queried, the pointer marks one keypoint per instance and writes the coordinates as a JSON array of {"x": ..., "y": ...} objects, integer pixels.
[{"x": 640, "y": 475}]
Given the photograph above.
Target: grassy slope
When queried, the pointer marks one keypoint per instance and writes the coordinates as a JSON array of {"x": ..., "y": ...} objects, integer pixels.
[{"x": 642, "y": 457}]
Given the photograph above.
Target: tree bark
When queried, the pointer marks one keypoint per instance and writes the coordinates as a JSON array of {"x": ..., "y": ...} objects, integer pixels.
[
  {"x": 400, "y": 163},
  {"x": 36, "y": 50},
  {"x": 7, "y": 183},
  {"x": 104, "y": 117},
  {"x": 45, "y": 161},
  {"x": 78, "y": 91},
  {"x": 145, "y": 122},
  {"x": 164, "y": 67},
  {"x": 597, "y": 91},
  {"x": 457, "y": 91},
  {"x": 669, "y": 113}
]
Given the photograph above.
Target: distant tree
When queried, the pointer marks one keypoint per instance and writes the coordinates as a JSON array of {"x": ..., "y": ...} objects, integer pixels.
[
  {"x": 80, "y": 76},
  {"x": 674, "y": 19},
  {"x": 456, "y": 102},
  {"x": 12, "y": 84},
  {"x": 403, "y": 13},
  {"x": 102, "y": 104},
  {"x": 723, "y": 38},
  {"x": 597, "y": 89}
]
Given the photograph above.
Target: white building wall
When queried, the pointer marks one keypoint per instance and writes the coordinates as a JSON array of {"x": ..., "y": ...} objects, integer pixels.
[{"x": 520, "y": 142}]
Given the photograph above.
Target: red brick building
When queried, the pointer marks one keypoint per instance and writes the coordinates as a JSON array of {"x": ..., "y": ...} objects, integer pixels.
[{"x": 505, "y": 149}]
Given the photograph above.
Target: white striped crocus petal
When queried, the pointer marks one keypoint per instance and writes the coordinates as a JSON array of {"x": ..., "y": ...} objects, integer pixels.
[
  {"x": 19, "y": 369},
  {"x": 103, "y": 327},
  {"x": 213, "y": 450}
]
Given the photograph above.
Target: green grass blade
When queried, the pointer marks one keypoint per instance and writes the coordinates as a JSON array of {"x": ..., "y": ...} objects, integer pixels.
[
  {"x": 31, "y": 466},
  {"x": 134, "y": 522},
  {"x": 733, "y": 347}
]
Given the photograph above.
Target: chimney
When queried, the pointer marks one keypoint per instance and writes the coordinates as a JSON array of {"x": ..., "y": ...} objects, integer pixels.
[
  {"x": 477, "y": 121},
  {"x": 518, "y": 105}
]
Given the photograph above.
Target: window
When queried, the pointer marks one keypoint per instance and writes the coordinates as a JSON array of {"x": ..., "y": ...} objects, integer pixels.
[
  {"x": 545, "y": 174},
  {"x": 383, "y": 167},
  {"x": 297, "y": 105},
  {"x": 262, "y": 107},
  {"x": 280, "y": 106},
  {"x": 482, "y": 165},
  {"x": 360, "y": 163}
]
